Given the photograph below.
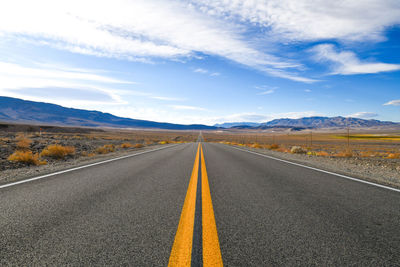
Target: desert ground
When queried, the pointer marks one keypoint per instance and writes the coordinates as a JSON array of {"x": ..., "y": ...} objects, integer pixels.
[
  {"x": 363, "y": 153},
  {"x": 24, "y": 148}
]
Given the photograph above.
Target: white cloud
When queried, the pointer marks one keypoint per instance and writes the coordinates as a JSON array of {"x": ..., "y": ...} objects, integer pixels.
[
  {"x": 200, "y": 70},
  {"x": 347, "y": 63},
  {"x": 307, "y": 90},
  {"x": 166, "y": 98},
  {"x": 266, "y": 90},
  {"x": 55, "y": 72},
  {"x": 256, "y": 117},
  {"x": 16, "y": 79},
  {"x": 136, "y": 30},
  {"x": 183, "y": 107},
  {"x": 60, "y": 84},
  {"x": 270, "y": 91},
  {"x": 311, "y": 19},
  {"x": 204, "y": 71},
  {"x": 393, "y": 103},
  {"x": 363, "y": 115}
]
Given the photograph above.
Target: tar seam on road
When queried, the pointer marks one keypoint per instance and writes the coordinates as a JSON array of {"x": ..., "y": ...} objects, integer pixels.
[
  {"x": 82, "y": 167},
  {"x": 196, "y": 240},
  {"x": 316, "y": 169},
  {"x": 197, "y": 247}
]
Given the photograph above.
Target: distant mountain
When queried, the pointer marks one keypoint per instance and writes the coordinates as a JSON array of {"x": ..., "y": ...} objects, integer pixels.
[
  {"x": 236, "y": 124},
  {"x": 327, "y": 122},
  {"x": 22, "y": 111}
]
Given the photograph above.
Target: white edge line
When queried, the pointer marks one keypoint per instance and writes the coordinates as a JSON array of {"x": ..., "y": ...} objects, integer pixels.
[
  {"x": 82, "y": 167},
  {"x": 316, "y": 169}
]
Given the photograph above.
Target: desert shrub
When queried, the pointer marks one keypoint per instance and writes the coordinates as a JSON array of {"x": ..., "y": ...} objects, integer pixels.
[
  {"x": 366, "y": 154},
  {"x": 87, "y": 154},
  {"x": 126, "y": 145},
  {"x": 105, "y": 149},
  {"x": 297, "y": 150},
  {"x": 163, "y": 142},
  {"x": 57, "y": 151},
  {"x": 139, "y": 146},
  {"x": 26, "y": 157},
  {"x": 344, "y": 154},
  {"x": 282, "y": 149},
  {"x": 256, "y": 145},
  {"x": 394, "y": 156},
  {"x": 273, "y": 146},
  {"x": 322, "y": 153},
  {"x": 24, "y": 144}
]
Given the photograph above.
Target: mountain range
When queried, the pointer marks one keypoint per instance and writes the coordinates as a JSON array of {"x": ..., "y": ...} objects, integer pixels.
[
  {"x": 22, "y": 111},
  {"x": 312, "y": 122}
]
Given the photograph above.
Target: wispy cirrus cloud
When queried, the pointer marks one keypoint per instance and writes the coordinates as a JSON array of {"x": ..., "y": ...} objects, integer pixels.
[
  {"x": 59, "y": 84},
  {"x": 347, "y": 63},
  {"x": 185, "y": 107},
  {"x": 200, "y": 70},
  {"x": 140, "y": 30},
  {"x": 167, "y": 98},
  {"x": 257, "y": 117},
  {"x": 204, "y": 71},
  {"x": 363, "y": 115},
  {"x": 66, "y": 85},
  {"x": 393, "y": 103},
  {"x": 265, "y": 89},
  {"x": 309, "y": 20}
]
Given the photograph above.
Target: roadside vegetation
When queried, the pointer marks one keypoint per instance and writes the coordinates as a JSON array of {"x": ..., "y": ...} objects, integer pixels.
[
  {"x": 31, "y": 146},
  {"x": 372, "y": 156},
  {"x": 321, "y": 144}
]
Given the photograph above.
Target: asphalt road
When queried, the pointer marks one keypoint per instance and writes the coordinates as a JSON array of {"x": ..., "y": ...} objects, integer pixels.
[{"x": 267, "y": 213}]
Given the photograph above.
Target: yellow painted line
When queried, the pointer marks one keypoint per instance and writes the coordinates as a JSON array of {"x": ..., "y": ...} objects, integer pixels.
[
  {"x": 211, "y": 249},
  {"x": 181, "y": 253}
]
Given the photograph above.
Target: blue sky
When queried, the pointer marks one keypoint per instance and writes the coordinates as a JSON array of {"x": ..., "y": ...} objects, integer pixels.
[{"x": 207, "y": 61}]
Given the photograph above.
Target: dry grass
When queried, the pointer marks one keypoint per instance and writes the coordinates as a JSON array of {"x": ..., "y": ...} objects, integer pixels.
[
  {"x": 139, "y": 146},
  {"x": 57, "y": 151},
  {"x": 256, "y": 145},
  {"x": 273, "y": 146},
  {"x": 126, "y": 145},
  {"x": 322, "y": 154},
  {"x": 393, "y": 156},
  {"x": 87, "y": 154},
  {"x": 368, "y": 154},
  {"x": 26, "y": 157},
  {"x": 163, "y": 142},
  {"x": 24, "y": 144},
  {"x": 105, "y": 149}
]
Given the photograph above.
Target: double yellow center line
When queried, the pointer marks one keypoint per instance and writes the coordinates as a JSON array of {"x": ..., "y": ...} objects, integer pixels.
[{"x": 196, "y": 240}]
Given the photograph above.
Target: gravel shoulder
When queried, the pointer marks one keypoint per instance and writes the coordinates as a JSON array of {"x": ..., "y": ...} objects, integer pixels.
[
  {"x": 382, "y": 171},
  {"x": 17, "y": 174}
]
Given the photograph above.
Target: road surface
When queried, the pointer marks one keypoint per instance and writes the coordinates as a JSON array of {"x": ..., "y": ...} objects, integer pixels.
[{"x": 208, "y": 204}]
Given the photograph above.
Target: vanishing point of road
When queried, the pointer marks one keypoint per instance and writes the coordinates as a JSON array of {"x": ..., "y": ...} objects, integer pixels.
[{"x": 198, "y": 204}]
